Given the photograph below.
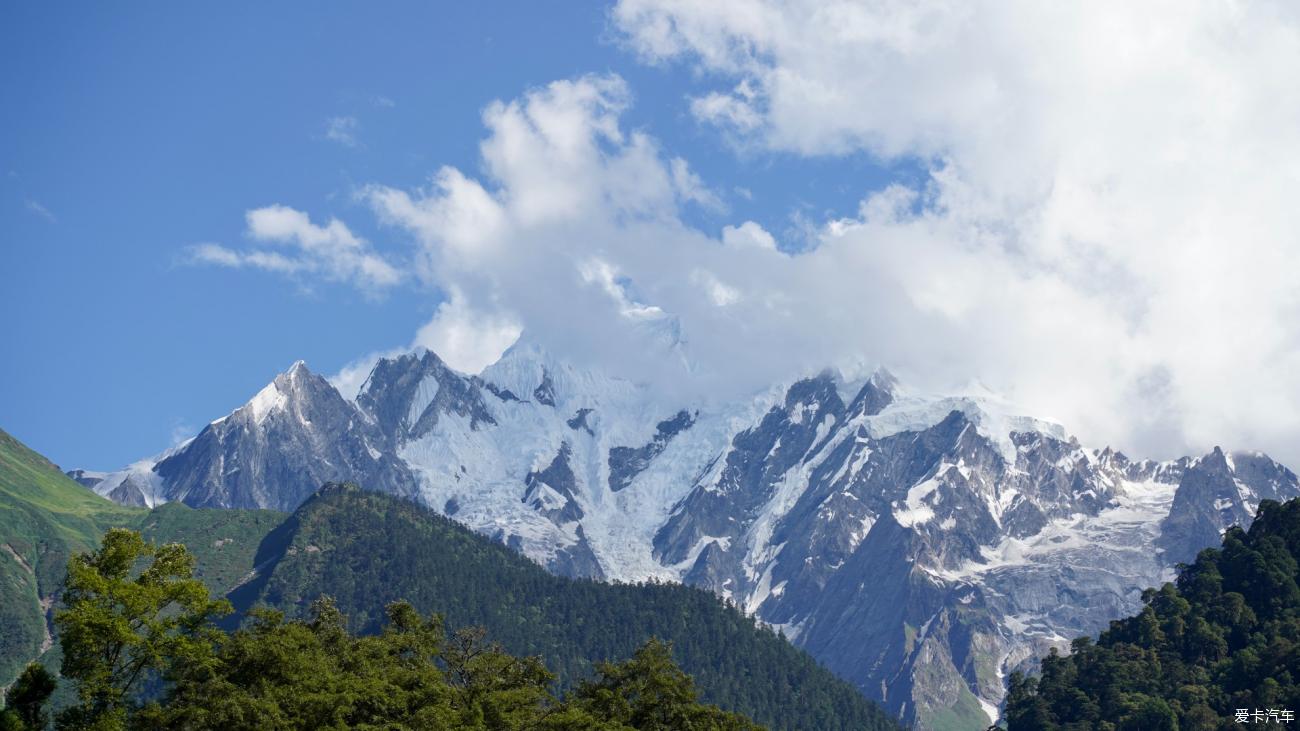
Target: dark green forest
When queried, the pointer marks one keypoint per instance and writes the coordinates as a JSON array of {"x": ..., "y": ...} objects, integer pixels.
[
  {"x": 366, "y": 550},
  {"x": 140, "y": 647},
  {"x": 1224, "y": 637},
  {"x": 368, "y": 611}
]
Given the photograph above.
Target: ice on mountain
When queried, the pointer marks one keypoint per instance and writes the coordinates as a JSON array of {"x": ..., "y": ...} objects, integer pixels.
[
  {"x": 915, "y": 510},
  {"x": 267, "y": 400},
  {"x": 425, "y": 393}
]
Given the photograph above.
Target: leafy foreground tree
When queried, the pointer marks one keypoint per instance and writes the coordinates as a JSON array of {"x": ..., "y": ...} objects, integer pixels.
[
  {"x": 122, "y": 627},
  {"x": 650, "y": 692},
  {"x": 1224, "y": 638},
  {"x": 142, "y": 649},
  {"x": 25, "y": 701}
]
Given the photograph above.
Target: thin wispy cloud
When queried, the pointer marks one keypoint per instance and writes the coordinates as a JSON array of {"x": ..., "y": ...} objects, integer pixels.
[
  {"x": 343, "y": 130},
  {"x": 40, "y": 210},
  {"x": 181, "y": 432}
]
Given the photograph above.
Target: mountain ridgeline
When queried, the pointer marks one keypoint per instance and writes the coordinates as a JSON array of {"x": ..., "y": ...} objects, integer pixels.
[
  {"x": 920, "y": 546},
  {"x": 1222, "y": 640},
  {"x": 366, "y": 550}
]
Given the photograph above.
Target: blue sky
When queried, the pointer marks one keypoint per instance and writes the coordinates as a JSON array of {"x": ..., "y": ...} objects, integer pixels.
[
  {"x": 131, "y": 132},
  {"x": 1095, "y": 219}
]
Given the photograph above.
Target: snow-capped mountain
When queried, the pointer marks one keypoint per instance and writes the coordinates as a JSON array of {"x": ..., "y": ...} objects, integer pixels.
[
  {"x": 919, "y": 546},
  {"x": 272, "y": 452}
]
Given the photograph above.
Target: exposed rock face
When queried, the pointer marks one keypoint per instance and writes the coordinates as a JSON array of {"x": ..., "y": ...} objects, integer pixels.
[
  {"x": 579, "y": 421},
  {"x": 552, "y": 491},
  {"x": 625, "y": 463},
  {"x": 405, "y": 396},
  {"x": 1219, "y": 490},
  {"x": 919, "y": 546},
  {"x": 545, "y": 392},
  {"x": 275, "y": 451},
  {"x": 88, "y": 478}
]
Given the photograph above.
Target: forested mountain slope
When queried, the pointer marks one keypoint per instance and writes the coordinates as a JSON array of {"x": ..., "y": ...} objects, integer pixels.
[
  {"x": 1225, "y": 637},
  {"x": 367, "y": 549}
]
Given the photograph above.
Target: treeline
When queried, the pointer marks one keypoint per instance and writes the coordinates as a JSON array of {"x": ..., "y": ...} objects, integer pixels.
[
  {"x": 1224, "y": 639},
  {"x": 141, "y": 646},
  {"x": 366, "y": 550}
]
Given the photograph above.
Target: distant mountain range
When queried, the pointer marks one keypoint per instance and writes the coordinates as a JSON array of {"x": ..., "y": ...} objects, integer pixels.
[
  {"x": 367, "y": 549},
  {"x": 920, "y": 546}
]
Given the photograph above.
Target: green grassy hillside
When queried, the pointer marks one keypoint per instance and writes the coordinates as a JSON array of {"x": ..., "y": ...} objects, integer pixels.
[
  {"x": 46, "y": 518},
  {"x": 366, "y": 550}
]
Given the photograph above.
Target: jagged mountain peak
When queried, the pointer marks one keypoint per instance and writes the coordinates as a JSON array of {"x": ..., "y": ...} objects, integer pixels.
[
  {"x": 405, "y": 395},
  {"x": 290, "y": 391},
  {"x": 531, "y": 372},
  {"x": 1216, "y": 460},
  {"x": 884, "y": 380}
]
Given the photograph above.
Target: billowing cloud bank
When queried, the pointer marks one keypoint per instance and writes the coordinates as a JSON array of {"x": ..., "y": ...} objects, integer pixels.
[{"x": 1109, "y": 232}]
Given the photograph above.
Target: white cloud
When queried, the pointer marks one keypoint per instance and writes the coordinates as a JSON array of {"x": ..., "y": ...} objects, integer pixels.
[
  {"x": 216, "y": 254},
  {"x": 1109, "y": 230},
  {"x": 35, "y": 207},
  {"x": 719, "y": 292},
  {"x": 343, "y": 130},
  {"x": 748, "y": 234},
  {"x": 691, "y": 189},
  {"x": 565, "y": 188},
  {"x": 181, "y": 432},
  {"x": 457, "y": 217},
  {"x": 734, "y": 109},
  {"x": 466, "y": 339},
  {"x": 331, "y": 252}
]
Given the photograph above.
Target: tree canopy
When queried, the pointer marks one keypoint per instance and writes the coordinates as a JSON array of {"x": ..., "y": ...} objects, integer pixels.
[
  {"x": 140, "y": 645},
  {"x": 1225, "y": 637}
]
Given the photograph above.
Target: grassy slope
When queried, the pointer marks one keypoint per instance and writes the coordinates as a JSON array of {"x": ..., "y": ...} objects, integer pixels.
[{"x": 46, "y": 518}]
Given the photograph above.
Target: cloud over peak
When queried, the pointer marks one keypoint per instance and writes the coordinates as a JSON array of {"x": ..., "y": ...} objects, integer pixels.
[
  {"x": 1105, "y": 228},
  {"x": 1108, "y": 229}
]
